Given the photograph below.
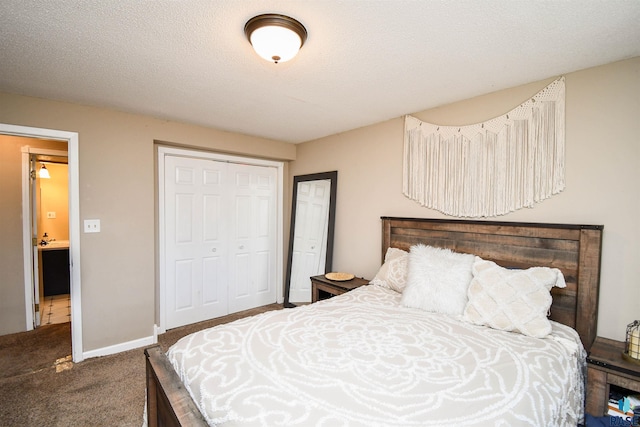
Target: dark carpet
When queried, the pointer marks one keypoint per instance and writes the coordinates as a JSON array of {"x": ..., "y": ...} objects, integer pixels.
[
  {"x": 39, "y": 388},
  {"x": 31, "y": 351}
]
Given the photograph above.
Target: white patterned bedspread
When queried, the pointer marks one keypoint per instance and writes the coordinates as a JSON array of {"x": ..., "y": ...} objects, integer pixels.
[{"x": 361, "y": 359}]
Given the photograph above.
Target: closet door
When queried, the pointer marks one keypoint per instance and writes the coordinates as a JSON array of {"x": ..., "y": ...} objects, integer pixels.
[
  {"x": 252, "y": 236},
  {"x": 196, "y": 240},
  {"x": 220, "y": 238}
]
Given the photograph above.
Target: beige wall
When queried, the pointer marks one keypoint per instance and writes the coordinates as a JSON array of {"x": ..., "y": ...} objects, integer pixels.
[
  {"x": 602, "y": 178},
  {"x": 12, "y": 304},
  {"x": 116, "y": 179}
]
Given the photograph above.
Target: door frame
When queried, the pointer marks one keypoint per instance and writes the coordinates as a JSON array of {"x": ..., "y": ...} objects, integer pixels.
[
  {"x": 74, "y": 228},
  {"x": 28, "y": 164},
  {"x": 163, "y": 151}
]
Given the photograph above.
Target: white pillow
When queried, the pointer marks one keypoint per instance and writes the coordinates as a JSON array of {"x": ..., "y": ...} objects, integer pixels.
[
  {"x": 512, "y": 300},
  {"x": 437, "y": 280},
  {"x": 393, "y": 273}
]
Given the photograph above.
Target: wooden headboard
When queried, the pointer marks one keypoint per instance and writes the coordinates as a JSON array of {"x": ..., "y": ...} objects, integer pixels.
[{"x": 574, "y": 249}]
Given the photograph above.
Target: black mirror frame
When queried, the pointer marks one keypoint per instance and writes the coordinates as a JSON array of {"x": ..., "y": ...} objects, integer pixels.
[{"x": 333, "y": 177}]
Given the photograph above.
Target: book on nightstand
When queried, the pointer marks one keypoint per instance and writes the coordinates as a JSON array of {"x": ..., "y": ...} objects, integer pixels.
[{"x": 625, "y": 407}]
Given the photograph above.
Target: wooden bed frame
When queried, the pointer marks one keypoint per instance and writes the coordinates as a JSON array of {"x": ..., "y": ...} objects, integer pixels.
[{"x": 574, "y": 249}]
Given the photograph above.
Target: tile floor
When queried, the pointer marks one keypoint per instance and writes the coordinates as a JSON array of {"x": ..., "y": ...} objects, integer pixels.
[{"x": 56, "y": 309}]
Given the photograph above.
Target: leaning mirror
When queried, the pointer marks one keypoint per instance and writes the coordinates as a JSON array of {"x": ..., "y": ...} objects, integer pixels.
[{"x": 313, "y": 209}]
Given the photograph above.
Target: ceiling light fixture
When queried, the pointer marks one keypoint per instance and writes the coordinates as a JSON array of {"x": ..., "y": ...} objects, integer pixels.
[
  {"x": 44, "y": 172},
  {"x": 274, "y": 37}
]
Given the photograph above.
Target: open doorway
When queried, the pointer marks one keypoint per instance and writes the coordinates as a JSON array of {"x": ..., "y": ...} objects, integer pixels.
[
  {"x": 26, "y": 316},
  {"x": 49, "y": 213}
]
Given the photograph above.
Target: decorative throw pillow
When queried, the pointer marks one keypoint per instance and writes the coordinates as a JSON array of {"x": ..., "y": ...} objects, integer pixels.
[
  {"x": 437, "y": 280},
  {"x": 393, "y": 273},
  {"x": 512, "y": 300}
]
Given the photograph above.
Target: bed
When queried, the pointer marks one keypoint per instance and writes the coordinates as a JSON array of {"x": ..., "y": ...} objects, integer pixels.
[{"x": 369, "y": 358}]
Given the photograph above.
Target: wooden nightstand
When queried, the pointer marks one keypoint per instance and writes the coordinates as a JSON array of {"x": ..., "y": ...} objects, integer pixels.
[
  {"x": 323, "y": 288},
  {"x": 607, "y": 368}
]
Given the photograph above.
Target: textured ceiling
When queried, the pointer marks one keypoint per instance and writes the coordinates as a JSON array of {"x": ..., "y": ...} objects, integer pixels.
[{"x": 365, "y": 61}]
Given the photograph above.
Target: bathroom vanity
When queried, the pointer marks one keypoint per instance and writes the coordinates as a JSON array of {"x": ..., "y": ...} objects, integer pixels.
[{"x": 54, "y": 267}]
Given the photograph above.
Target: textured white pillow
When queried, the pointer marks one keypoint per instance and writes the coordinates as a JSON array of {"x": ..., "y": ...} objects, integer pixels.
[
  {"x": 512, "y": 300},
  {"x": 393, "y": 273},
  {"x": 437, "y": 280}
]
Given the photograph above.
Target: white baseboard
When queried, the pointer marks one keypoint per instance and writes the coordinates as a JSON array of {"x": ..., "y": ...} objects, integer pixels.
[
  {"x": 118, "y": 348},
  {"x": 157, "y": 330}
]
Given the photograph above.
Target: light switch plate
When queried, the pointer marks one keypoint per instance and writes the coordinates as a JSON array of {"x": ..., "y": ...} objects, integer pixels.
[{"x": 91, "y": 225}]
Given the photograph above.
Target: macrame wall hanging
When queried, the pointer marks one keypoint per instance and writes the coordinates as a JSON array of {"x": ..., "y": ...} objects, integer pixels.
[{"x": 491, "y": 168}]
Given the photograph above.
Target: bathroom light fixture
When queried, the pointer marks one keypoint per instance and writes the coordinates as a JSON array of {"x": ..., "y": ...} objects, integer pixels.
[
  {"x": 274, "y": 37},
  {"x": 44, "y": 173}
]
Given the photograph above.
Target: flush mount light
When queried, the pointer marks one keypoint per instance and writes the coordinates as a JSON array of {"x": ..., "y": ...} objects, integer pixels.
[{"x": 274, "y": 37}]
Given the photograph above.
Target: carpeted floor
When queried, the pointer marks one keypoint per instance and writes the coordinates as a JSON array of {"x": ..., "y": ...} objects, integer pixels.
[
  {"x": 39, "y": 387},
  {"x": 30, "y": 351}
]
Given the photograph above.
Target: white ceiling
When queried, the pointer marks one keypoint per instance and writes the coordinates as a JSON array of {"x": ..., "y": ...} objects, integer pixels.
[{"x": 365, "y": 61}]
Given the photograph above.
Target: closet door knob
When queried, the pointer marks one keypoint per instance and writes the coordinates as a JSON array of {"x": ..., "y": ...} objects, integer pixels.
[
  {"x": 241, "y": 246},
  {"x": 214, "y": 249}
]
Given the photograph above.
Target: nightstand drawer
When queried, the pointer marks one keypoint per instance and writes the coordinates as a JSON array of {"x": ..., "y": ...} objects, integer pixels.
[{"x": 624, "y": 382}]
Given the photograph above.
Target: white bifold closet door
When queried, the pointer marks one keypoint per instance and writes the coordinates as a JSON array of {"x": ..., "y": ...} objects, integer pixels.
[{"x": 220, "y": 234}]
